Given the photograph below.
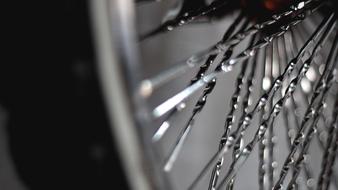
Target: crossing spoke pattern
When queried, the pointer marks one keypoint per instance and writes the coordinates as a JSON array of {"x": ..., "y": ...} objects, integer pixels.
[{"x": 285, "y": 87}]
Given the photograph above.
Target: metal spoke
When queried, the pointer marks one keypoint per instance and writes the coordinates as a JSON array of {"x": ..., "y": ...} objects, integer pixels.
[
  {"x": 230, "y": 118},
  {"x": 227, "y": 66},
  {"x": 268, "y": 122},
  {"x": 296, "y": 11},
  {"x": 186, "y": 18},
  {"x": 308, "y": 114},
  {"x": 199, "y": 106},
  {"x": 262, "y": 161},
  {"x": 307, "y": 140},
  {"x": 270, "y": 134},
  {"x": 263, "y": 99},
  {"x": 269, "y": 84},
  {"x": 296, "y": 106},
  {"x": 202, "y": 71}
]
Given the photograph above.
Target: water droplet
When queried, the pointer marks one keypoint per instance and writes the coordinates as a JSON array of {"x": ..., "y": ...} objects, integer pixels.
[
  {"x": 291, "y": 66},
  {"x": 262, "y": 101},
  {"x": 181, "y": 106},
  {"x": 262, "y": 128},
  {"x": 274, "y": 164},
  {"x": 306, "y": 66},
  {"x": 306, "y": 158},
  {"x": 310, "y": 182},
  {"x": 247, "y": 120},
  {"x": 324, "y": 105},
  {"x": 288, "y": 163},
  {"x": 278, "y": 82},
  {"x": 299, "y": 179},
  {"x": 312, "y": 111},
  {"x": 232, "y": 61},
  {"x": 250, "y": 52},
  {"x": 170, "y": 27},
  {"x": 226, "y": 67},
  {"x": 278, "y": 107},
  {"x": 231, "y": 138},
  {"x": 301, "y": 5},
  {"x": 292, "y": 133},
  {"x": 292, "y": 86},
  {"x": 191, "y": 61},
  {"x": 276, "y": 17}
]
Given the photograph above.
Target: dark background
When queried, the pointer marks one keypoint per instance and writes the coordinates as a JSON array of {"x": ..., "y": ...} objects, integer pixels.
[{"x": 58, "y": 132}]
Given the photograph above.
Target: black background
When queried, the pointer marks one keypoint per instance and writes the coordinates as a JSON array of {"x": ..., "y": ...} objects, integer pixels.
[{"x": 58, "y": 128}]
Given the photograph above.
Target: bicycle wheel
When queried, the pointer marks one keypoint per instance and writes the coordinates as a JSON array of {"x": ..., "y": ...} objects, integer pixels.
[{"x": 251, "y": 104}]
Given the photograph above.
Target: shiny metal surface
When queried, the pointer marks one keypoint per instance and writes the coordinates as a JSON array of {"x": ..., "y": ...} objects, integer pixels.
[{"x": 240, "y": 113}]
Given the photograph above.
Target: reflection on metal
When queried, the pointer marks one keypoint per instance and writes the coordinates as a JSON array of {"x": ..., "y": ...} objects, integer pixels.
[
  {"x": 297, "y": 73},
  {"x": 113, "y": 28}
]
